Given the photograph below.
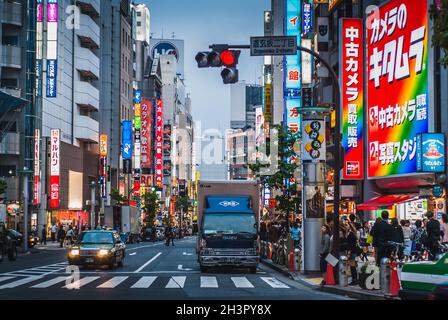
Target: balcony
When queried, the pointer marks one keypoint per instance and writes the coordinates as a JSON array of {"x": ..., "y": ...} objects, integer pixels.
[
  {"x": 11, "y": 13},
  {"x": 11, "y": 56},
  {"x": 87, "y": 129},
  {"x": 90, "y": 7},
  {"x": 87, "y": 96},
  {"x": 89, "y": 32},
  {"x": 10, "y": 144},
  {"x": 13, "y": 92},
  {"x": 87, "y": 63}
]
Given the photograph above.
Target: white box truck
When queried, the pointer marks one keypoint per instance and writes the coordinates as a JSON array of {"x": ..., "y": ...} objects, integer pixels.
[
  {"x": 228, "y": 219},
  {"x": 130, "y": 224}
]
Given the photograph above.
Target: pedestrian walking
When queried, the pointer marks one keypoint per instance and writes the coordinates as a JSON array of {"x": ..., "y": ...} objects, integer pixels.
[
  {"x": 295, "y": 234},
  {"x": 407, "y": 233},
  {"x": 444, "y": 228},
  {"x": 43, "y": 239},
  {"x": 396, "y": 235},
  {"x": 54, "y": 230},
  {"x": 324, "y": 251},
  {"x": 433, "y": 231},
  {"x": 353, "y": 249},
  {"x": 380, "y": 232},
  {"x": 61, "y": 236},
  {"x": 364, "y": 233}
]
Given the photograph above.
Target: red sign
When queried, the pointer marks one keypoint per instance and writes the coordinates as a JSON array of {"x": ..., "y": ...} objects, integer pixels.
[
  {"x": 398, "y": 92},
  {"x": 159, "y": 143},
  {"x": 55, "y": 168},
  {"x": 146, "y": 129},
  {"x": 351, "y": 51},
  {"x": 36, "y": 194}
]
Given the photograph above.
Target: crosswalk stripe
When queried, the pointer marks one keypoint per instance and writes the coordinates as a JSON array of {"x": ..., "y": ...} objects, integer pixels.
[
  {"x": 112, "y": 283},
  {"x": 209, "y": 282},
  {"x": 242, "y": 282},
  {"x": 176, "y": 282},
  {"x": 274, "y": 283},
  {"x": 79, "y": 283},
  {"x": 20, "y": 282},
  {"x": 50, "y": 283},
  {"x": 144, "y": 283},
  {"x": 2, "y": 279}
]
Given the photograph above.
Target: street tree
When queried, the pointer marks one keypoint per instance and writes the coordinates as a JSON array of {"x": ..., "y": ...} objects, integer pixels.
[
  {"x": 3, "y": 187},
  {"x": 120, "y": 200},
  {"x": 152, "y": 206},
  {"x": 439, "y": 14}
]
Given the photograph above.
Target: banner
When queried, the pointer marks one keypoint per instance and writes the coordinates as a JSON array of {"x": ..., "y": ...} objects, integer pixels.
[
  {"x": 55, "y": 167},
  {"x": 268, "y": 102},
  {"x": 397, "y": 53},
  {"x": 146, "y": 143},
  {"x": 52, "y": 47},
  {"x": 126, "y": 139},
  {"x": 36, "y": 195},
  {"x": 431, "y": 152},
  {"x": 352, "y": 99},
  {"x": 159, "y": 143}
]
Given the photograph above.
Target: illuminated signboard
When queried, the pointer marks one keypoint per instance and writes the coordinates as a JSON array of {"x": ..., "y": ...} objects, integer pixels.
[
  {"x": 397, "y": 53},
  {"x": 52, "y": 47},
  {"x": 268, "y": 102},
  {"x": 293, "y": 67},
  {"x": 146, "y": 134},
  {"x": 307, "y": 18},
  {"x": 159, "y": 143},
  {"x": 36, "y": 196},
  {"x": 39, "y": 44},
  {"x": 352, "y": 99},
  {"x": 137, "y": 142},
  {"x": 127, "y": 140},
  {"x": 55, "y": 167},
  {"x": 103, "y": 145},
  {"x": 431, "y": 152}
]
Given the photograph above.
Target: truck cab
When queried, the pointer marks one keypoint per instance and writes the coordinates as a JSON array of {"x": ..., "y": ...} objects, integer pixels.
[{"x": 228, "y": 233}]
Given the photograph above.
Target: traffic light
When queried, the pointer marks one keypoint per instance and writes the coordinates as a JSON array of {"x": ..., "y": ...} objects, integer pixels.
[{"x": 221, "y": 57}]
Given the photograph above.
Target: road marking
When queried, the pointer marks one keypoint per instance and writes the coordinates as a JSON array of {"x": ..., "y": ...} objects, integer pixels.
[
  {"x": 20, "y": 282},
  {"x": 176, "y": 282},
  {"x": 50, "y": 283},
  {"x": 209, "y": 282},
  {"x": 39, "y": 270},
  {"x": 133, "y": 254},
  {"x": 79, "y": 283},
  {"x": 187, "y": 254},
  {"x": 2, "y": 279},
  {"x": 179, "y": 267},
  {"x": 242, "y": 282},
  {"x": 147, "y": 263},
  {"x": 144, "y": 283},
  {"x": 112, "y": 283},
  {"x": 274, "y": 283}
]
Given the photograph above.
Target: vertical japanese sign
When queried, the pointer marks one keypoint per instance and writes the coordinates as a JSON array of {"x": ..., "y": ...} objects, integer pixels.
[
  {"x": 127, "y": 140},
  {"x": 103, "y": 165},
  {"x": 307, "y": 18},
  {"x": 293, "y": 68},
  {"x": 137, "y": 142},
  {"x": 146, "y": 129},
  {"x": 352, "y": 97},
  {"x": 36, "y": 195},
  {"x": 55, "y": 167},
  {"x": 52, "y": 47},
  {"x": 397, "y": 48},
  {"x": 159, "y": 143},
  {"x": 268, "y": 102},
  {"x": 39, "y": 45}
]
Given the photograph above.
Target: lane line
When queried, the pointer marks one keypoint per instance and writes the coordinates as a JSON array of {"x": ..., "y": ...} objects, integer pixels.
[
  {"x": 3, "y": 279},
  {"x": 209, "y": 282},
  {"x": 242, "y": 282},
  {"x": 176, "y": 283},
  {"x": 274, "y": 283},
  {"x": 112, "y": 283},
  {"x": 144, "y": 283},
  {"x": 17, "y": 283},
  {"x": 147, "y": 263},
  {"x": 50, "y": 283},
  {"x": 80, "y": 283}
]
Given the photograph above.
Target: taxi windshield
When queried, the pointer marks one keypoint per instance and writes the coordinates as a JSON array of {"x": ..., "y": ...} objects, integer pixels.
[{"x": 97, "y": 237}]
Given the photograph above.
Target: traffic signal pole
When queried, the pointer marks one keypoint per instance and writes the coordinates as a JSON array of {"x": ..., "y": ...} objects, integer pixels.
[{"x": 337, "y": 136}]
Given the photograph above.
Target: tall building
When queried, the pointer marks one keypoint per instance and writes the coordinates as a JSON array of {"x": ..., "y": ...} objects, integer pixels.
[{"x": 244, "y": 100}]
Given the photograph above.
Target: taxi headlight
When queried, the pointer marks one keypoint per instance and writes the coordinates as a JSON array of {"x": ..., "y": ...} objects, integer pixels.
[
  {"x": 103, "y": 252},
  {"x": 74, "y": 252}
]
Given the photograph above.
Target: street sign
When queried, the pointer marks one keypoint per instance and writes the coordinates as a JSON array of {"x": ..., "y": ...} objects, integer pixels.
[{"x": 273, "y": 46}]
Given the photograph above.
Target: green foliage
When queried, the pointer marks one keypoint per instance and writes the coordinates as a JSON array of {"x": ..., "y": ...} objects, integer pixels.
[
  {"x": 3, "y": 186},
  {"x": 152, "y": 206},
  {"x": 286, "y": 141},
  {"x": 183, "y": 203},
  {"x": 440, "y": 34},
  {"x": 120, "y": 199}
]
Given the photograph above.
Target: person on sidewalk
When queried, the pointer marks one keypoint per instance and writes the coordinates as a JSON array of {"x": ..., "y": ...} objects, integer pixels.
[
  {"x": 444, "y": 228},
  {"x": 54, "y": 230},
  {"x": 61, "y": 236},
  {"x": 396, "y": 235},
  {"x": 433, "y": 231},
  {"x": 407, "y": 232},
  {"x": 43, "y": 239},
  {"x": 364, "y": 234},
  {"x": 380, "y": 233},
  {"x": 353, "y": 249},
  {"x": 324, "y": 251},
  {"x": 295, "y": 233}
]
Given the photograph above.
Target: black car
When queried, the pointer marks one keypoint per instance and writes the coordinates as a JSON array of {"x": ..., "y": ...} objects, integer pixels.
[{"x": 98, "y": 247}]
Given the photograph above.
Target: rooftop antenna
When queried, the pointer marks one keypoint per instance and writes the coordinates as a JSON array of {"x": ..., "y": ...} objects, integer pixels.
[
  {"x": 173, "y": 35},
  {"x": 162, "y": 32}
]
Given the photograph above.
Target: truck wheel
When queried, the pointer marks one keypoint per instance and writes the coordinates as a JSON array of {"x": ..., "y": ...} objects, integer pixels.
[
  {"x": 253, "y": 270},
  {"x": 204, "y": 269},
  {"x": 12, "y": 253}
]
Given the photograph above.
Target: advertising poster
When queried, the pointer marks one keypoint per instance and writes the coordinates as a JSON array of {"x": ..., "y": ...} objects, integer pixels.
[
  {"x": 397, "y": 103},
  {"x": 315, "y": 201},
  {"x": 431, "y": 152}
]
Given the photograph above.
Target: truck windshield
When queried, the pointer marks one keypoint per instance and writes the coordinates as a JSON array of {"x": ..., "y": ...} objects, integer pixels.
[{"x": 229, "y": 223}]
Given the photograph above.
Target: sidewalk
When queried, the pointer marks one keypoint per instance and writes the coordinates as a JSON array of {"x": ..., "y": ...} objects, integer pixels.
[
  {"x": 50, "y": 246},
  {"x": 313, "y": 281}
]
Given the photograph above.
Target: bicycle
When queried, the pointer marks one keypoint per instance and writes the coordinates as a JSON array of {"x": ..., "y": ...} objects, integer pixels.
[{"x": 396, "y": 251}]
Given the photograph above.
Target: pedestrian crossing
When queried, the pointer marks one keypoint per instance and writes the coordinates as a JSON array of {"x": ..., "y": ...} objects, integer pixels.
[
  {"x": 38, "y": 271},
  {"x": 133, "y": 282}
]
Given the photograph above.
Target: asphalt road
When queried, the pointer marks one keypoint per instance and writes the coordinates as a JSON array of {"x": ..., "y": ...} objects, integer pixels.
[{"x": 151, "y": 271}]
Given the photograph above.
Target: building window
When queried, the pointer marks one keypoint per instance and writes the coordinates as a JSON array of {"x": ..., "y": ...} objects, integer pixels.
[
  {"x": 139, "y": 14},
  {"x": 12, "y": 129},
  {"x": 139, "y": 23},
  {"x": 11, "y": 83}
]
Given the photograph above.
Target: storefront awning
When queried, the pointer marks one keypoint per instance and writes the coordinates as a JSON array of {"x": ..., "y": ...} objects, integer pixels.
[{"x": 385, "y": 202}]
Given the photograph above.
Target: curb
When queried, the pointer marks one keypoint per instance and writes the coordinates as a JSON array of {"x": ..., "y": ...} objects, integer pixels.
[{"x": 330, "y": 289}]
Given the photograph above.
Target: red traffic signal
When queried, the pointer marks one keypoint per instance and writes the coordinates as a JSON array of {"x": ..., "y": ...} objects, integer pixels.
[{"x": 229, "y": 58}]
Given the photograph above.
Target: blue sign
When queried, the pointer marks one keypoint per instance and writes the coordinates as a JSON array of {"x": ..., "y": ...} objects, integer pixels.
[
  {"x": 51, "y": 88},
  {"x": 307, "y": 18},
  {"x": 437, "y": 191},
  {"x": 52, "y": 70},
  {"x": 165, "y": 48},
  {"x": 431, "y": 152},
  {"x": 137, "y": 96},
  {"x": 127, "y": 140}
]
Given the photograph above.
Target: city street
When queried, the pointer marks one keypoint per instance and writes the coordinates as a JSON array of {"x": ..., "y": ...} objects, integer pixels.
[{"x": 151, "y": 271}]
